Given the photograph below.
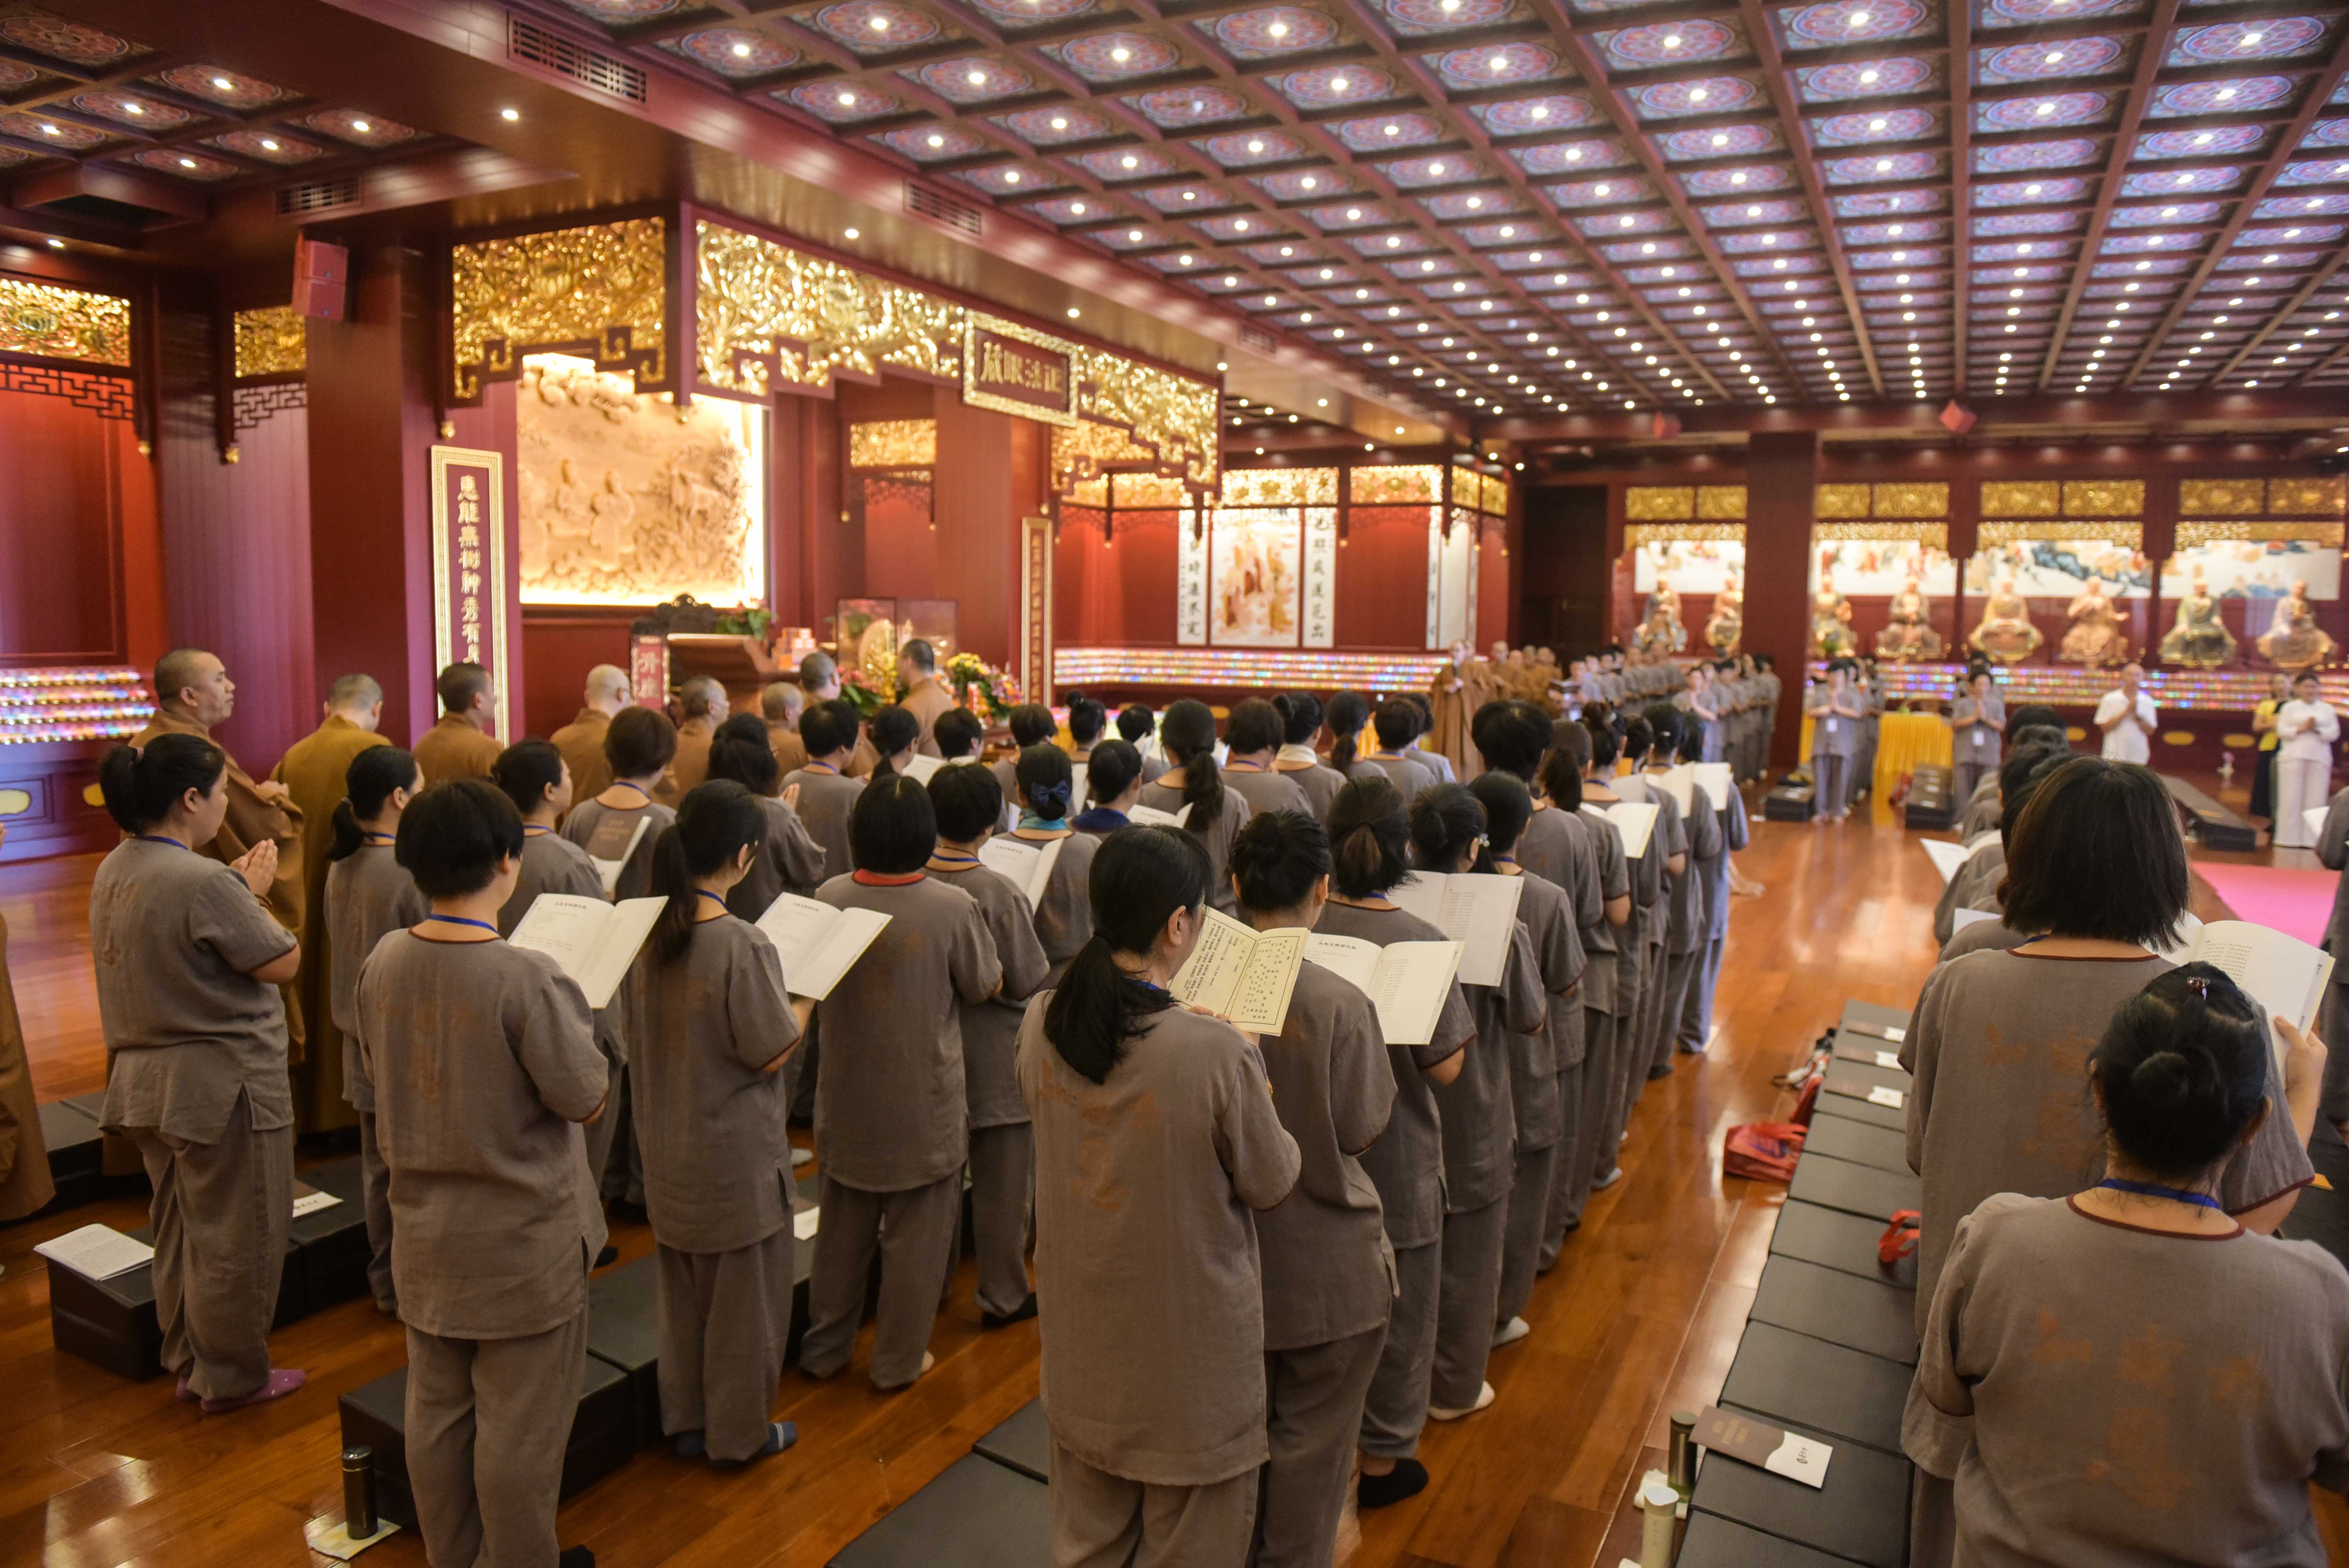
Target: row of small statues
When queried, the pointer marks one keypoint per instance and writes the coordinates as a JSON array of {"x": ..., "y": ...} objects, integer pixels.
[{"x": 2197, "y": 639}]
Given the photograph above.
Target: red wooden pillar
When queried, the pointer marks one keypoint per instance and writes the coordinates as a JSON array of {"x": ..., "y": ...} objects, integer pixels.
[{"x": 1781, "y": 474}]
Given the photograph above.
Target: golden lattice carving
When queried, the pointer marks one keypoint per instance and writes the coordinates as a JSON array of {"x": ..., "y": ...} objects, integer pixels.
[
  {"x": 600, "y": 289},
  {"x": 272, "y": 342},
  {"x": 1279, "y": 487},
  {"x": 2325, "y": 498},
  {"x": 1659, "y": 503},
  {"x": 1839, "y": 500},
  {"x": 769, "y": 316},
  {"x": 2104, "y": 497},
  {"x": 1081, "y": 451},
  {"x": 64, "y": 324},
  {"x": 1402, "y": 484},
  {"x": 2221, "y": 497},
  {"x": 1721, "y": 503},
  {"x": 1639, "y": 533},
  {"x": 1091, "y": 493},
  {"x": 2245, "y": 530},
  {"x": 2021, "y": 498},
  {"x": 1134, "y": 492},
  {"x": 1936, "y": 534},
  {"x": 893, "y": 444},
  {"x": 1922, "y": 498},
  {"x": 2130, "y": 535}
]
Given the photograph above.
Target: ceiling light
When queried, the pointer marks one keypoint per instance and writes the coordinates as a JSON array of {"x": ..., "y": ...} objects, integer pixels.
[
  {"x": 937, "y": 141},
  {"x": 187, "y": 163},
  {"x": 268, "y": 144},
  {"x": 846, "y": 99},
  {"x": 56, "y": 244},
  {"x": 1076, "y": 208},
  {"x": 1011, "y": 177},
  {"x": 2044, "y": 108},
  {"x": 1060, "y": 122},
  {"x": 848, "y": 233},
  {"x": 1867, "y": 75},
  {"x": 134, "y": 108},
  {"x": 1696, "y": 95},
  {"x": 1120, "y": 53},
  {"x": 1279, "y": 29},
  {"x": 1337, "y": 84}
]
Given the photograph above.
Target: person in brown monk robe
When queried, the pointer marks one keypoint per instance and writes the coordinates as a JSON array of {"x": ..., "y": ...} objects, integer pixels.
[
  {"x": 781, "y": 704},
  {"x": 312, "y": 770},
  {"x": 582, "y": 740},
  {"x": 461, "y": 746},
  {"x": 193, "y": 695},
  {"x": 703, "y": 702},
  {"x": 1452, "y": 700},
  {"x": 925, "y": 696},
  {"x": 25, "y": 1184}
]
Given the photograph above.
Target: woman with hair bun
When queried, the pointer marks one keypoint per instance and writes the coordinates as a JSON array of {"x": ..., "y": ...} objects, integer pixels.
[
  {"x": 1187, "y": 736},
  {"x": 2128, "y": 1375},
  {"x": 189, "y": 962},
  {"x": 1155, "y": 1140},
  {"x": 368, "y": 894}
]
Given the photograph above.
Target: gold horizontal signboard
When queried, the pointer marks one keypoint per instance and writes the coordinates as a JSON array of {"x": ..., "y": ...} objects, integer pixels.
[{"x": 1013, "y": 369}]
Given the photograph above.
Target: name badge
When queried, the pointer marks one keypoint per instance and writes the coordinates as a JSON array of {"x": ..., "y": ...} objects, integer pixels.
[{"x": 1831, "y": 727}]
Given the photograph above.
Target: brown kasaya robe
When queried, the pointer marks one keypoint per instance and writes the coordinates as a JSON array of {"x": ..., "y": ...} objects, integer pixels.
[
  {"x": 25, "y": 1184},
  {"x": 1453, "y": 701},
  {"x": 582, "y": 744},
  {"x": 314, "y": 769}
]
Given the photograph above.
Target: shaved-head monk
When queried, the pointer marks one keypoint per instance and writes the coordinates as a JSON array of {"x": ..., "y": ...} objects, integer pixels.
[
  {"x": 582, "y": 740},
  {"x": 461, "y": 746},
  {"x": 703, "y": 702}
]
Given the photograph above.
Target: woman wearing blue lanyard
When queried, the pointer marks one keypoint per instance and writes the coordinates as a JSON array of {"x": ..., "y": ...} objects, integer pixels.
[
  {"x": 1978, "y": 720},
  {"x": 189, "y": 962},
  {"x": 2128, "y": 1375}
]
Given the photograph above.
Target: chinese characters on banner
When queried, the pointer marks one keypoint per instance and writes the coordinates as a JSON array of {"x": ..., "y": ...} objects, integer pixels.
[
  {"x": 648, "y": 671},
  {"x": 470, "y": 580},
  {"x": 1190, "y": 578},
  {"x": 1035, "y": 608},
  {"x": 1321, "y": 616}
]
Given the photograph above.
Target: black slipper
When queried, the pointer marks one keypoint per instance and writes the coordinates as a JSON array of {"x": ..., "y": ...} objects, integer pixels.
[
  {"x": 1020, "y": 1314},
  {"x": 1408, "y": 1478}
]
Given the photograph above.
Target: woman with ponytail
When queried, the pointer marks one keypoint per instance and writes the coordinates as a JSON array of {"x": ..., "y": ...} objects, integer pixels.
[
  {"x": 788, "y": 859},
  {"x": 535, "y": 777},
  {"x": 1369, "y": 841},
  {"x": 1064, "y": 915},
  {"x": 1114, "y": 779},
  {"x": 189, "y": 963},
  {"x": 892, "y": 1125},
  {"x": 368, "y": 894},
  {"x": 2128, "y": 1375},
  {"x": 1349, "y": 715},
  {"x": 1155, "y": 1138},
  {"x": 717, "y": 1026},
  {"x": 1187, "y": 736},
  {"x": 1478, "y": 1119}
]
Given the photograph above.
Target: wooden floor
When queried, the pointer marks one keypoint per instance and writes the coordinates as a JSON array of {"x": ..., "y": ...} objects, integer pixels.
[{"x": 1640, "y": 1316}]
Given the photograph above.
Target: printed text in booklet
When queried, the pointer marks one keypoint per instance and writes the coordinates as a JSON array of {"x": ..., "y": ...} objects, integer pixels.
[
  {"x": 1406, "y": 981},
  {"x": 594, "y": 942},
  {"x": 1026, "y": 866},
  {"x": 1151, "y": 816},
  {"x": 1240, "y": 975},
  {"x": 2282, "y": 974},
  {"x": 817, "y": 942},
  {"x": 1478, "y": 912}
]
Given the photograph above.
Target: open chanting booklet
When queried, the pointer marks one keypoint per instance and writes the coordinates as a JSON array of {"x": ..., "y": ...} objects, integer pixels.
[
  {"x": 2282, "y": 974},
  {"x": 1634, "y": 819},
  {"x": 1480, "y": 913},
  {"x": 1946, "y": 857},
  {"x": 1679, "y": 782},
  {"x": 594, "y": 940},
  {"x": 1713, "y": 778},
  {"x": 1241, "y": 974},
  {"x": 1026, "y": 866},
  {"x": 95, "y": 1251},
  {"x": 616, "y": 838},
  {"x": 1406, "y": 981},
  {"x": 817, "y": 942},
  {"x": 1153, "y": 816}
]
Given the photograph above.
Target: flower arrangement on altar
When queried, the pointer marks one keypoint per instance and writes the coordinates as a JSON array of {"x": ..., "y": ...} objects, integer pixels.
[
  {"x": 990, "y": 692},
  {"x": 857, "y": 689}
]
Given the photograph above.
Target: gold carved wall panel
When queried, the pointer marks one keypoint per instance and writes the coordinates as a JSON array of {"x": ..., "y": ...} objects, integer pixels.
[
  {"x": 1922, "y": 532},
  {"x": 1639, "y": 533},
  {"x": 1839, "y": 500},
  {"x": 2325, "y": 497},
  {"x": 1280, "y": 486},
  {"x": 769, "y": 316},
  {"x": 272, "y": 342},
  {"x": 1400, "y": 484},
  {"x": 2244, "y": 530},
  {"x": 64, "y": 324},
  {"x": 2221, "y": 498},
  {"x": 2021, "y": 498},
  {"x": 1721, "y": 503},
  {"x": 2130, "y": 535},
  {"x": 1081, "y": 451},
  {"x": 1659, "y": 503},
  {"x": 2104, "y": 497},
  {"x": 1923, "y": 497},
  {"x": 893, "y": 444},
  {"x": 1153, "y": 491},
  {"x": 601, "y": 288}
]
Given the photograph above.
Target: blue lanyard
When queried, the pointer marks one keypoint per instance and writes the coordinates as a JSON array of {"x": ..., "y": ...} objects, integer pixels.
[
  {"x": 379, "y": 839},
  {"x": 705, "y": 892},
  {"x": 533, "y": 830},
  {"x": 2149, "y": 1190},
  {"x": 462, "y": 920},
  {"x": 631, "y": 784},
  {"x": 160, "y": 839}
]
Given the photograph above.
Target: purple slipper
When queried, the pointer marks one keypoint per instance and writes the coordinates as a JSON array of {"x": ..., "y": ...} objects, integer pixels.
[
  {"x": 280, "y": 1383},
  {"x": 182, "y": 1392}
]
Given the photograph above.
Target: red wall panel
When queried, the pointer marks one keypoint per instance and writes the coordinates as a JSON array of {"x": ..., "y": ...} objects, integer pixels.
[
  {"x": 61, "y": 531},
  {"x": 1115, "y": 592},
  {"x": 559, "y": 647},
  {"x": 1382, "y": 570}
]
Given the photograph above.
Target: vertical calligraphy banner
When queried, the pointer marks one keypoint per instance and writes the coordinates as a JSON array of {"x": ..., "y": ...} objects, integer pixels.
[
  {"x": 1036, "y": 551},
  {"x": 1190, "y": 578},
  {"x": 1320, "y": 618},
  {"x": 470, "y": 577},
  {"x": 648, "y": 671}
]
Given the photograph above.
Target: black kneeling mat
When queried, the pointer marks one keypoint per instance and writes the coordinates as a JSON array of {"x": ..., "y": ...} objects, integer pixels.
[
  {"x": 1852, "y": 1046},
  {"x": 1861, "y": 1142},
  {"x": 1840, "y": 1308},
  {"x": 1860, "y": 1515},
  {"x": 975, "y": 1515},
  {"x": 1713, "y": 1542},
  {"x": 1023, "y": 1442},
  {"x": 603, "y": 1435},
  {"x": 331, "y": 1243},
  {"x": 1858, "y": 1107},
  {"x": 624, "y": 1332},
  {"x": 112, "y": 1322},
  {"x": 1865, "y": 1073},
  {"x": 1833, "y": 1239},
  {"x": 1795, "y": 1380},
  {"x": 1860, "y": 1190},
  {"x": 1866, "y": 1015}
]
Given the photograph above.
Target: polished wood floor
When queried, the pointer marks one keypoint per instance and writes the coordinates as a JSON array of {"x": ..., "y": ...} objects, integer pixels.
[{"x": 1640, "y": 1317}]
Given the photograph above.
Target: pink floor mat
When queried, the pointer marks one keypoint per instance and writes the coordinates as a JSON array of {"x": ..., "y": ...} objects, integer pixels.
[{"x": 2297, "y": 903}]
